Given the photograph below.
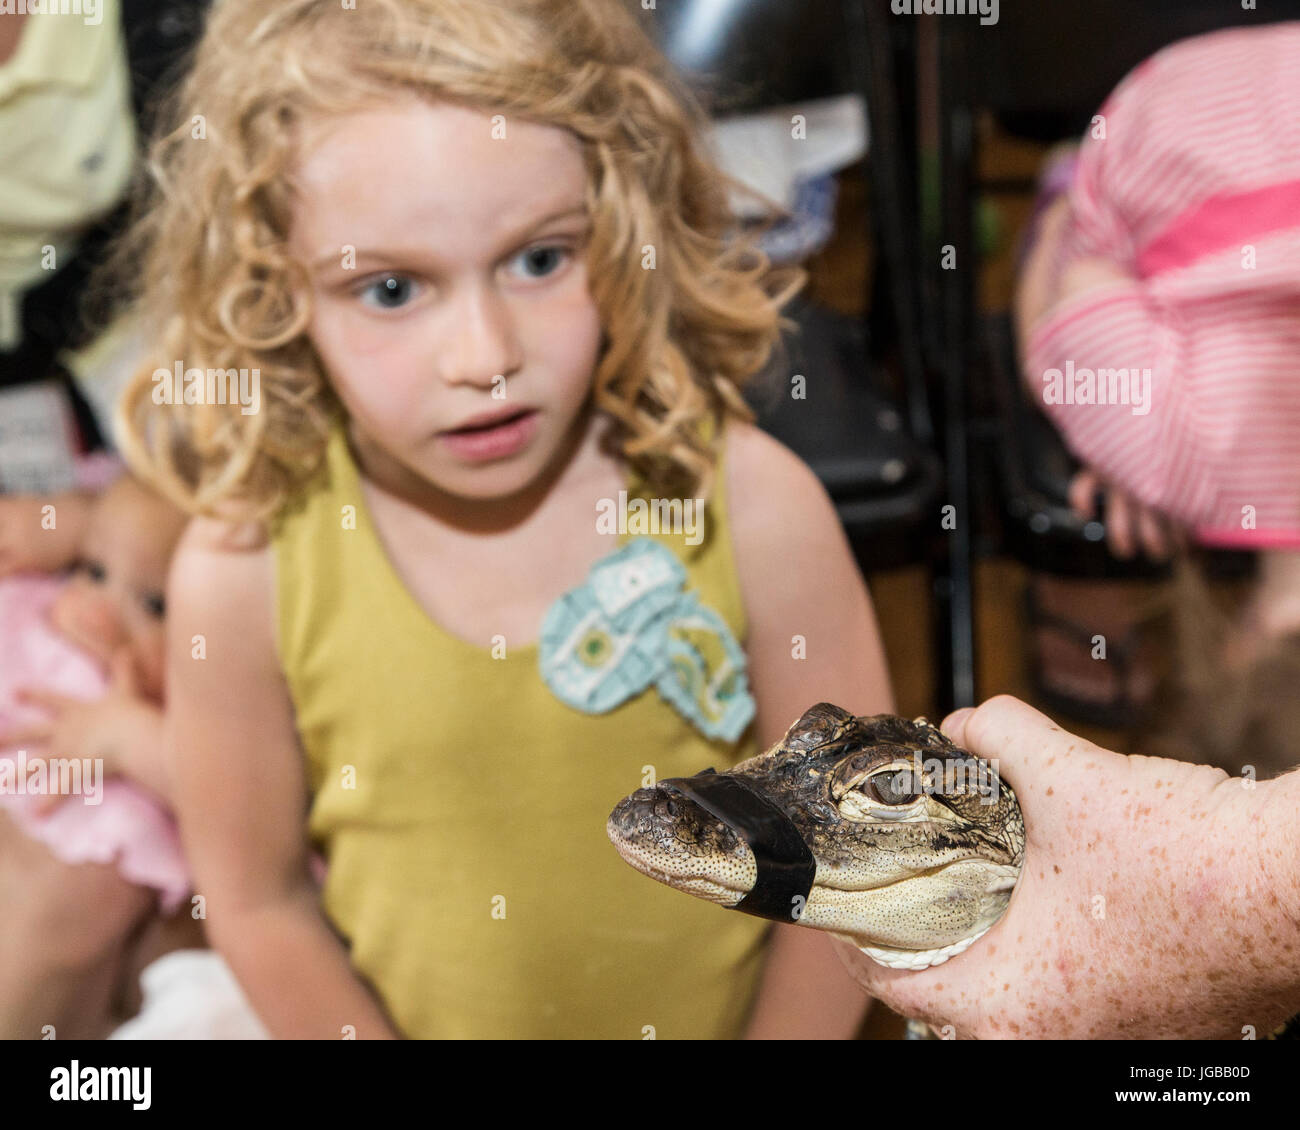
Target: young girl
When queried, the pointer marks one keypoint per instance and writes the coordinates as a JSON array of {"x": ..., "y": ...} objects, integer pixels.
[{"x": 481, "y": 267}]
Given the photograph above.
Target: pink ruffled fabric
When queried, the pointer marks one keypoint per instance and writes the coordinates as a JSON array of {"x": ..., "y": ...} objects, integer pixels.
[{"x": 128, "y": 828}]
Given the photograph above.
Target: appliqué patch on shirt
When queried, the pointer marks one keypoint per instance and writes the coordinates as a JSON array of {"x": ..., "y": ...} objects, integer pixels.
[{"x": 631, "y": 626}]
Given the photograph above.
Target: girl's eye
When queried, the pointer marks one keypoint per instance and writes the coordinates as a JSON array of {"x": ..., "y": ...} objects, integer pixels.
[
  {"x": 155, "y": 604},
  {"x": 388, "y": 293},
  {"x": 543, "y": 259}
]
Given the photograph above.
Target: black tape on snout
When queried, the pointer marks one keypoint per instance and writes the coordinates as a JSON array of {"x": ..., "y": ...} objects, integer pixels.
[{"x": 786, "y": 866}]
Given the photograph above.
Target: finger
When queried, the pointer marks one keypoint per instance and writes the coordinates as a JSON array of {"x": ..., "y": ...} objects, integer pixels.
[
  {"x": 1119, "y": 524},
  {"x": 955, "y": 721},
  {"x": 36, "y": 732},
  {"x": 1151, "y": 533},
  {"x": 1002, "y": 725},
  {"x": 47, "y": 699},
  {"x": 1012, "y": 732},
  {"x": 1082, "y": 494}
]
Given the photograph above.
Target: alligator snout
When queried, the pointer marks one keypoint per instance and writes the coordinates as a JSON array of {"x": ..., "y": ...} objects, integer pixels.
[
  {"x": 669, "y": 837},
  {"x": 645, "y": 809}
]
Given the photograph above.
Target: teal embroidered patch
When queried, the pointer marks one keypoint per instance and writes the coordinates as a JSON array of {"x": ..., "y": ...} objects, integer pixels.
[{"x": 631, "y": 625}]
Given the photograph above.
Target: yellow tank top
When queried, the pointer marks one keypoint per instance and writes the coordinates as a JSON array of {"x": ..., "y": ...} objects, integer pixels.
[{"x": 460, "y": 802}]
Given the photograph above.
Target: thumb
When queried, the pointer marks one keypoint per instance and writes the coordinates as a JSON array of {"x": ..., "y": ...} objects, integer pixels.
[
  {"x": 1001, "y": 727},
  {"x": 1013, "y": 732},
  {"x": 1027, "y": 747}
]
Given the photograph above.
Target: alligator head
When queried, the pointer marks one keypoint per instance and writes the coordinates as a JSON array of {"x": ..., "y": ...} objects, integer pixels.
[{"x": 875, "y": 829}]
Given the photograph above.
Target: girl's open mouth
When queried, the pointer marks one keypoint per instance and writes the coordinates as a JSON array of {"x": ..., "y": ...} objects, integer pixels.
[{"x": 493, "y": 440}]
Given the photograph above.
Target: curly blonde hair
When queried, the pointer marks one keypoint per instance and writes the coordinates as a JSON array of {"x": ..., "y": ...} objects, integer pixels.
[{"x": 212, "y": 281}]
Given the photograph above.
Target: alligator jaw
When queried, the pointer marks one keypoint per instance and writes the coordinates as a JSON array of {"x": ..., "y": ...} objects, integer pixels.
[{"x": 683, "y": 872}]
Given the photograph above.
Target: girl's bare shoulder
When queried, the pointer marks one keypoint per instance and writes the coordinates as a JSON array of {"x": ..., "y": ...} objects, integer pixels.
[
  {"x": 221, "y": 584},
  {"x": 798, "y": 578},
  {"x": 773, "y": 496},
  {"x": 793, "y": 560},
  {"x": 217, "y": 535}
]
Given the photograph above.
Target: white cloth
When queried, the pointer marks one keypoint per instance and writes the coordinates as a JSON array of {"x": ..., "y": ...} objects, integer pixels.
[
  {"x": 191, "y": 995},
  {"x": 763, "y": 151}
]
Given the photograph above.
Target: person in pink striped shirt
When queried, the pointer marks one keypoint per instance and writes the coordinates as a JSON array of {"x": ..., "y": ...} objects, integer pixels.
[
  {"x": 1159, "y": 312},
  {"x": 1158, "y": 320}
]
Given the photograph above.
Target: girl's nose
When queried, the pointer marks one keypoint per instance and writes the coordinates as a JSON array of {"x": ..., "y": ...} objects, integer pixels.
[{"x": 482, "y": 345}]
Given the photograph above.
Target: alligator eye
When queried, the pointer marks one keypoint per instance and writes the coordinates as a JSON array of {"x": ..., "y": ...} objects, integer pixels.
[{"x": 894, "y": 786}]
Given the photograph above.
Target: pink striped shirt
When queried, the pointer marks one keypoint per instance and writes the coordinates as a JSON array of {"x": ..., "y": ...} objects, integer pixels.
[{"x": 1194, "y": 192}]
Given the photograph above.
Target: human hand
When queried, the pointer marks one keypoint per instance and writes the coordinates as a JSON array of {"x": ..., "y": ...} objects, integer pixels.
[
  {"x": 29, "y": 544},
  {"x": 1131, "y": 526},
  {"x": 1146, "y": 907},
  {"x": 112, "y": 729}
]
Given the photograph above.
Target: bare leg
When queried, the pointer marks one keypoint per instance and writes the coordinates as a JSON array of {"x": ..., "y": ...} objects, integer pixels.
[{"x": 66, "y": 929}]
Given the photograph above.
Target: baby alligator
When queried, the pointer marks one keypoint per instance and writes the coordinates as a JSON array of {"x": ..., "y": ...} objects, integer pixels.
[{"x": 875, "y": 829}]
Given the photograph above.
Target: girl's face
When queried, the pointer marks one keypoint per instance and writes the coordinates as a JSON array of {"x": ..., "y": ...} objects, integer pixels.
[
  {"x": 449, "y": 284},
  {"x": 115, "y": 596}
]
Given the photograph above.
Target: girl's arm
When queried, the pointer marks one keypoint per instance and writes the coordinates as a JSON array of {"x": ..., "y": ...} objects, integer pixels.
[
  {"x": 812, "y": 638},
  {"x": 240, "y": 792}
]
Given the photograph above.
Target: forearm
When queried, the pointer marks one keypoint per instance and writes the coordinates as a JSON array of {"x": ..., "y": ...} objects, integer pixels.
[
  {"x": 1279, "y": 833},
  {"x": 806, "y": 993},
  {"x": 137, "y": 749},
  {"x": 1230, "y": 923},
  {"x": 296, "y": 973}
]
